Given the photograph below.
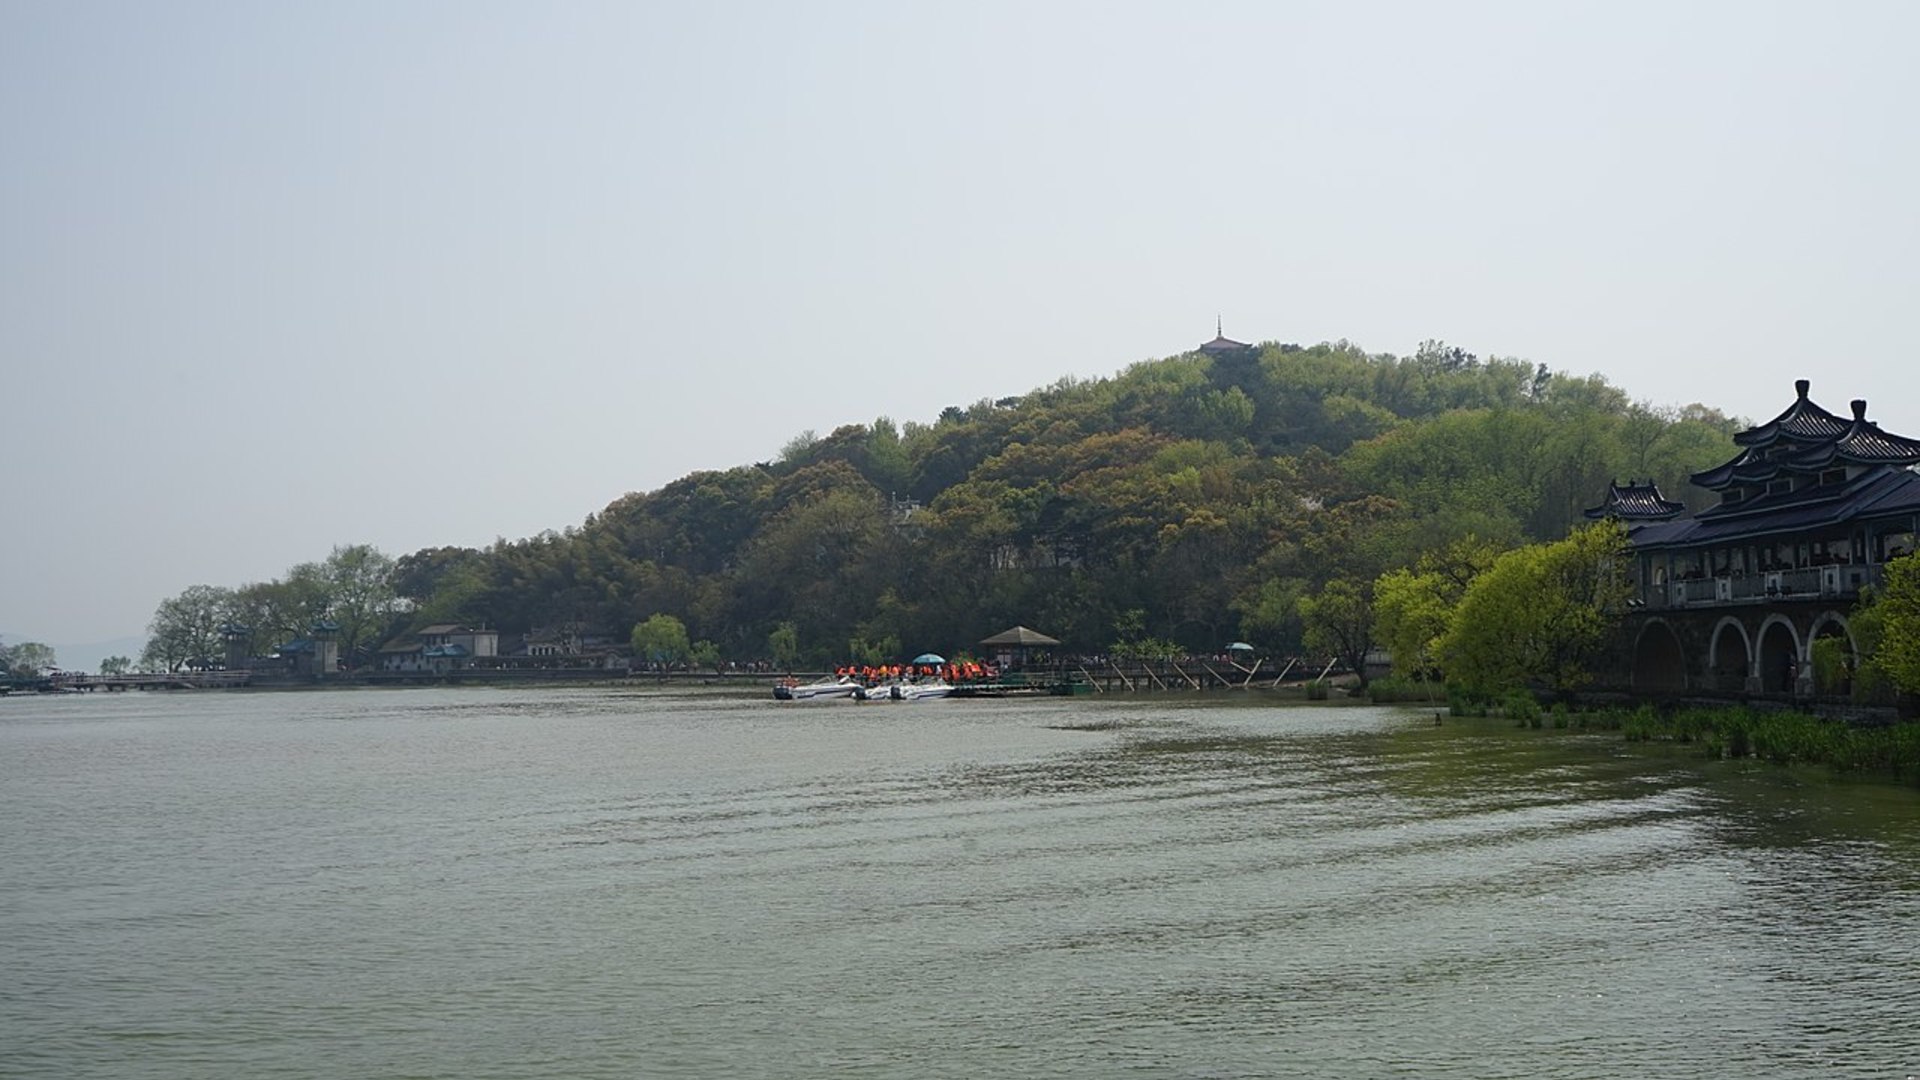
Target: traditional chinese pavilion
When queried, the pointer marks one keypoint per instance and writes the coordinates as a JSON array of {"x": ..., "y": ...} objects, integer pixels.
[
  {"x": 1732, "y": 598},
  {"x": 1222, "y": 345}
]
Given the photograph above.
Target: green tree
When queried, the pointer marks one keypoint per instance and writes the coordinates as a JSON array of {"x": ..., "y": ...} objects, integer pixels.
[
  {"x": 1339, "y": 622},
  {"x": 784, "y": 644},
  {"x": 27, "y": 659},
  {"x": 185, "y": 629},
  {"x": 705, "y": 654},
  {"x": 459, "y": 595},
  {"x": 1413, "y": 607},
  {"x": 875, "y": 651},
  {"x": 660, "y": 641},
  {"x": 1270, "y": 614},
  {"x": 361, "y": 597},
  {"x": 1898, "y": 612},
  {"x": 417, "y": 577},
  {"x": 116, "y": 665},
  {"x": 1540, "y": 615},
  {"x": 1131, "y": 639},
  {"x": 1411, "y": 615},
  {"x": 821, "y": 562},
  {"x": 274, "y": 612}
]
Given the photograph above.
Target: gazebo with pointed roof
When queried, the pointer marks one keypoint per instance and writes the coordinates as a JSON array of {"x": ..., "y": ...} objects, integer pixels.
[
  {"x": 1020, "y": 637},
  {"x": 1015, "y": 646}
]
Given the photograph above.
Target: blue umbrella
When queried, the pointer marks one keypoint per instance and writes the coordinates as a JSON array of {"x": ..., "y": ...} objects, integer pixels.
[{"x": 929, "y": 658}]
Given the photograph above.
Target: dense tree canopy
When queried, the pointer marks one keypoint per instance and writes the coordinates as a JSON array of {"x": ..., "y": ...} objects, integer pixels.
[
  {"x": 354, "y": 589},
  {"x": 1256, "y": 495},
  {"x": 1540, "y": 615},
  {"x": 25, "y": 659},
  {"x": 1414, "y": 606}
]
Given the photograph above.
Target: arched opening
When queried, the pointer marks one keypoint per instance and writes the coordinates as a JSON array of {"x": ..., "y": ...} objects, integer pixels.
[
  {"x": 1779, "y": 658},
  {"x": 1834, "y": 658},
  {"x": 1728, "y": 662},
  {"x": 1658, "y": 663}
]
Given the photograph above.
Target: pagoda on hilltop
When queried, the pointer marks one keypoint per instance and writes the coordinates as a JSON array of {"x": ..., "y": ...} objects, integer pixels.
[
  {"x": 1733, "y": 598},
  {"x": 1222, "y": 345}
]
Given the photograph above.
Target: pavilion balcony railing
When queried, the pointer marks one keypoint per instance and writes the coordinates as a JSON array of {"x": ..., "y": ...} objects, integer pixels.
[{"x": 1840, "y": 581}]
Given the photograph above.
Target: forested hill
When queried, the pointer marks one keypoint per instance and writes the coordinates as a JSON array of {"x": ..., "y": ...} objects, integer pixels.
[{"x": 1204, "y": 495}]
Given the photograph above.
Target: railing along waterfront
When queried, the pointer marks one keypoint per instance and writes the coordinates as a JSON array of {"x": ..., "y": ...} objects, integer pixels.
[{"x": 1843, "y": 581}]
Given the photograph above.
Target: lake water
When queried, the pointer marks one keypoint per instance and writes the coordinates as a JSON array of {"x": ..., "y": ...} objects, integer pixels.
[{"x": 469, "y": 883}]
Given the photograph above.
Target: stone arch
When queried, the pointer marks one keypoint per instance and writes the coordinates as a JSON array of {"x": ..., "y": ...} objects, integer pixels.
[
  {"x": 1659, "y": 662},
  {"x": 1829, "y": 622},
  {"x": 1729, "y": 655},
  {"x": 1780, "y": 656},
  {"x": 1832, "y": 673}
]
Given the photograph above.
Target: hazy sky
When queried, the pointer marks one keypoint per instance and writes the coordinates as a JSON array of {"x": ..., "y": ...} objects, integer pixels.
[{"x": 275, "y": 277}]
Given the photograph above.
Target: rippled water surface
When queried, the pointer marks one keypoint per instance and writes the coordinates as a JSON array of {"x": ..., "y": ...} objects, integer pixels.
[{"x": 597, "y": 883}]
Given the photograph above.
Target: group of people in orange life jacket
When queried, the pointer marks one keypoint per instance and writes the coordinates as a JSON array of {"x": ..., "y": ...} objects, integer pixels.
[{"x": 957, "y": 671}]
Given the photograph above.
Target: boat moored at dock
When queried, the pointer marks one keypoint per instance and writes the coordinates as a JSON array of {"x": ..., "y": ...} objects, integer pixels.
[{"x": 824, "y": 689}]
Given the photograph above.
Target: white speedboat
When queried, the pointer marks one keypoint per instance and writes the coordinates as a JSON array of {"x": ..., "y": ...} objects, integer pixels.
[
  {"x": 921, "y": 690},
  {"x": 842, "y": 687}
]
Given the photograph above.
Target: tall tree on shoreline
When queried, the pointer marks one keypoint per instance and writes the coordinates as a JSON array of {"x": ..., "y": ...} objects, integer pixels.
[
  {"x": 186, "y": 628},
  {"x": 1898, "y": 607},
  {"x": 361, "y": 598},
  {"x": 1541, "y": 614},
  {"x": 27, "y": 659}
]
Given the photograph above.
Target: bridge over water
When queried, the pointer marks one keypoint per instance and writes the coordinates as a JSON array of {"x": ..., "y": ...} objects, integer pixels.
[{"x": 63, "y": 683}]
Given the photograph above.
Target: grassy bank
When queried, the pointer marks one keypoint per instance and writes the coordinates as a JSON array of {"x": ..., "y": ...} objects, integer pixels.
[{"x": 1775, "y": 735}]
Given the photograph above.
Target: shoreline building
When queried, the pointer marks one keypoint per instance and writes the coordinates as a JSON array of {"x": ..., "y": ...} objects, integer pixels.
[{"x": 1733, "y": 598}]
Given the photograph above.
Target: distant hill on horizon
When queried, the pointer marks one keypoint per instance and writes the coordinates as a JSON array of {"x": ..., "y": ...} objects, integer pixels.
[{"x": 1200, "y": 498}]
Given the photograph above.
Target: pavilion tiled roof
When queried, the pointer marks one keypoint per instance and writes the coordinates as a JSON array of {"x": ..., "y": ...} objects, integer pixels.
[
  {"x": 1803, "y": 421},
  {"x": 1636, "y": 502},
  {"x": 1863, "y": 443},
  {"x": 1804, "y": 444},
  {"x": 1747, "y": 466},
  {"x": 1808, "y": 438},
  {"x": 1890, "y": 492}
]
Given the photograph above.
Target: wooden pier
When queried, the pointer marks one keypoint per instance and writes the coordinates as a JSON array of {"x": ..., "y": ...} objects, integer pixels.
[{"x": 1153, "y": 676}]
